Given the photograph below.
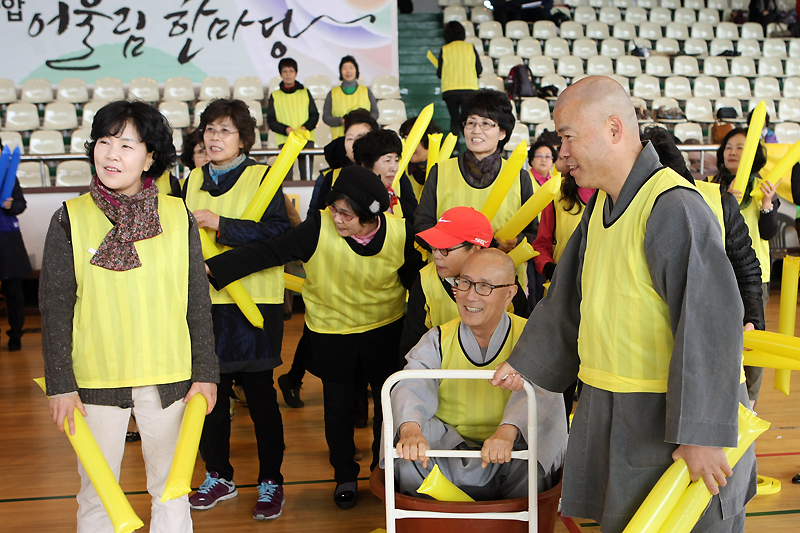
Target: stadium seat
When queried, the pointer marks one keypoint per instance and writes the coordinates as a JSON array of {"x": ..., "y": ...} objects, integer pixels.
[
  {"x": 469, "y": 29},
  {"x": 733, "y": 103},
  {"x": 623, "y": 81},
  {"x": 752, "y": 30},
  {"x": 646, "y": 87},
  {"x": 677, "y": 30},
  {"x": 743, "y": 66},
  {"x": 506, "y": 63},
  {"x": 610, "y": 15},
  {"x": 666, "y": 103},
  {"x": 668, "y": 45},
  {"x": 529, "y": 47},
  {"x": 685, "y": 66},
  {"x": 481, "y": 14},
  {"x": 319, "y": 86},
  {"x": 716, "y": 66},
  {"x": 720, "y": 45},
  {"x": 599, "y": 66},
  {"x": 623, "y": 4},
  {"x": 660, "y": 16},
  {"x": 584, "y": 15},
  {"x": 658, "y": 66},
  {"x": 77, "y": 140},
  {"x": 385, "y": 87},
  {"x": 37, "y": 91},
  {"x": 541, "y": 66},
  {"x": 688, "y": 130},
  {"x": 647, "y": 4},
  {"x": 571, "y": 30},
  {"x": 629, "y": 66},
  {"x": 791, "y": 87},
  {"x": 769, "y": 103},
  {"x": 737, "y": 87},
  {"x": 72, "y": 90},
  {"x": 323, "y": 135},
  {"x": 108, "y": 90},
  {"x": 685, "y": 15},
  {"x": 534, "y": 111},
  {"x": 789, "y": 110},
  {"x": 544, "y": 126},
  {"x": 12, "y": 139},
  {"x": 250, "y": 88},
  {"x": 748, "y": 48},
  {"x": 499, "y": 47},
  {"x": 73, "y": 174},
  {"x": 719, "y": 5},
  {"x": 556, "y": 47},
  {"x": 707, "y": 87},
  {"x": 490, "y": 81},
  {"x": 454, "y": 13},
  {"x": 727, "y": 30},
  {"x": 544, "y": 29},
  {"x": 32, "y": 174},
  {"x": 8, "y": 91},
  {"x": 677, "y": 87},
  {"x": 650, "y": 30},
  {"x": 624, "y": 30},
  {"x": 177, "y": 113},
  {"x": 256, "y": 112},
  {"x": 144, "y": 89},
  {"x": 584, "y": 48},
  {"x": 489, "y": 30},
  {"x": 635, "y": 15},
  {"x": 770, "y": 66},
  {"x": 477, "y": 43},
  {"x": 695, "y": 47},
  {"x": 557, "y": 81},
  {"x": 89, "y": 110},
  {"x": 708, "y": 16},
  {"x": 794, "y": 47},
  {"x": 775, "y": 48},
  {"x": 517, "y": 29},
  {"x": 391, "y": 111},
  {"x": 214, "y": 87},
  {"x": 597, "y": 30},
  {"x": 793, "y": 66},
  {"x": 767, "y": 87},
  {"x": 671, "y": 4},
  {"x": 275, "y": 83},
  {"x": 518, "y": 135},
  {"x": 787, "y": 132},
  {"x": 199, "y": 107},
  {"x": 613, "y": 48},
  {"x": 46, "y": 142},
  {"x": 60, "y": 116},
  {"x": 22, "y": 116},
  {"x": 699, "y": 110},
  {"x": 570, "y": 66},
  {"x": 179, "y": 89},
  {"x": 486, "y": 64},
  {"x": 639, "y": 103},
  {"x": 702, "y": 30}
]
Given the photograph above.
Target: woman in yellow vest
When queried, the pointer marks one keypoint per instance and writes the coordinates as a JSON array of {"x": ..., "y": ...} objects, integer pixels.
[
  {"x": 358, "y": 263},
  {"x": 126, "y": 323},
  {"x": 541, "y": 157},
  {"x": 217, "y": 194},
  {"x": 347, "y": 97},
  {"x": 761, "y": 217},
  {"x": 459, "y": 68},
  {"x": 291, "y": 108}
]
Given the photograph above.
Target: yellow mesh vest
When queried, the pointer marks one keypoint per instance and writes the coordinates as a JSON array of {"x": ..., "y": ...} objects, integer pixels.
[
  {"x": 751, "y": 214},
  {"x": 566, "y": 224},
  {"x": 624, "y": 338},
  {"x": 342, "y": 104},
  {"x": 162, "y": 182},
  {"x": 458, "y": 67},
  {"x": 129, "y": 328},
  {"x": 472, "y": 406},
  {"x": 266, "y": 286},
  {"x": 439, "y": 306},
  {"x": 348, "y": 293},
  {"x": 291, "y": 109}
]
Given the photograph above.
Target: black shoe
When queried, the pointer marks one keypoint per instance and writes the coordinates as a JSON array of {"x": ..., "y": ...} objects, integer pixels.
[
  {"x": 291, "y": 395},
  {"x": 14, "y": 345},
  {"x": 132, "y": 436},
  {"x": 796, "y": 479},
  {"x": 346, "y": 499}
]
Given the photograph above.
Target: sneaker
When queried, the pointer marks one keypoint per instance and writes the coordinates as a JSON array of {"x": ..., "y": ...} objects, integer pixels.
[
  {"x": 214, "y": 489},
  {"x": 270, "y": 501},
  {"x": 291, "y": 395}
]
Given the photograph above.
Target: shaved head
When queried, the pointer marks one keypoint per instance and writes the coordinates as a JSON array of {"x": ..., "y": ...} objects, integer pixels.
[
  {"x": 490, "y": 265},
  {"x": 599, "y": 97}
]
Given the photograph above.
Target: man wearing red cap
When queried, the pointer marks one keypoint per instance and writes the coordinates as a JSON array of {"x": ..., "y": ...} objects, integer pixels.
[{"x": 459, "y": 233}]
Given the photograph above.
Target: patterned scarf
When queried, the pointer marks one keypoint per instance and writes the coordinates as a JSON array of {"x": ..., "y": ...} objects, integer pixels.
[
  {"x": 482, "y": 173},
  {"x": 135, "y": 218}
]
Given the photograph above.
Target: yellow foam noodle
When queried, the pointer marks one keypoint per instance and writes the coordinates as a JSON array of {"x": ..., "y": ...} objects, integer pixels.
[
  {"x": 787, "y": 156},
  {"x": 661, "y": 500},
  {"x": 432, "y": 58},
  {"x": 272, "y": 182},
  {"x": 411, "y": 142},
  {"x": 293, "y": 283},
  {"x": 505, "y": 180},
  {"x": 434, "y": 143},
  {"x": 523, "y": 252},
  {"x": 120, "y": 512},
  {"x": 750, "y": 145},
  {"x": 447, "y": 148},
  {"x": 440, "y": 488},
  {"x": 788, "y": 313},
  {"x": 755, "y": 357},
  {"x": 237, "y": 291},
  {"x": 530, "y": 209},
  {"x": 179, "y": 480},
  {"x": 772, "y": 343},
  {"x": 695, "y": 499}
]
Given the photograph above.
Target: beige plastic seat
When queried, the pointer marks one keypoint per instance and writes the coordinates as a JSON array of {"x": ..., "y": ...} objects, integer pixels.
[
  {"x": 707, "y": 87},
  {"x": 499, "y": 47},
  {"x": 391, "y": 111},
  {"x": 32, "y": 174},
  {"x": 77, "y": 140},
  {"x": 534, "y": 111},
  {"x": 214, "y": 87},
  {"x": 610, "y": 15},
  {"x": 613, "y": 48},
  {"x": 584, "y": 48},
  {"x": 629, "y": 66},
  {"x": 743, "y": 66},
  {"x": 486, "y": 63},
  {"x": 584, "y": 15},
  {"x": 199, "y": 107},
  {"x": 8, "y": 91},
  {"x": 383, "y": 87},
  {"x": 623, "y": 4},
  {"x": 474, "y": 41},
  {"x": 37, "y": 91},
  {"x": 256, "y": 112},
  {"x": 541, "y": 66},
  {"x": 672, "y": 5},
  {"x": 556, "y": 47},
  {"x": 685, "y": 15},
  {"x": 635, "y": 15},
  {"x": 769, "y": 103},
  {"x": 720, "y": 45},
  {"x": 737, "y": 87},
  {"x": 794, "y": 47},
  {"x": 46, "y": 142},
  {"x": 548, "y": 126},
  {"x": 752, "y": 30},
  {"x": 556, "y": 80},
  {"x": 275, "y": 83},
  {"x": 529, "y": 47},
  {"x": 660, "y": 16},
  {"x": 89, "y": 111},
  {"x": 689, "y": 130},
  {"x": 770, "y": 66},
  {"x": 599, "y": 66},
  {"x": 748, "y": 48},
  {"x": 695, "y": 47},
  {"x": 597, "y": 4},
  {"x": 699, "y": 110},
  {"x": 22, "y": 116},
  {"x": 677, "y": 87},
  {"x": 677, "y": 30},
  {"x": 517, "y": 29},
  {"x": 481, "y": 14},
  {"x": 73, "y": 174},
  {"x": 787, "y": 132},
  {"x": 519, "y": 134},
  {"x": 489, "y": 30},
  {"x": 177, "y": 113},
  {"x": 775, "y": 48},
  {"x": 108, "y": 90},
  {"x": 322, "y": 135},
  {"x": 727, "y": 30},
  {"x": 641, "y": 104},
  {"x": 716, "y": 66},
  {"x": 12, "y": 139},
  {"x": 658, "y": 66},
  {"x": 72, "y": 90},
  {"x": 250, "y": 88},
  {"x": 144, "y": 89},
  {"x": 719, "y": 5},
  {"x": 791, "y": 87},
  {"x": 455, "y": 13},
  {"x": 571, "y": 30},
  {"x": 685, "y": 66},
  {"x": 702, "y": 30},
  {"x": 490, "y": 81},
  {"x": 318, "y": 86},
  {"x": 793, "y": 66},
  {"x": 60, "y": 116},
  {"x": 708, "y": 16},
  {"x": 179, "y": 89},
  {"x": 646, "y": 87},
  {"x": 647, "y": 4},
  {"x": 576, "y": 3},
  {"x": 544, "y": 29},
  {"x": 506, "y": 63},
  {"x": 733, "y": 103},
  {"x": 570, "y": 66},
  {"x": 623, "y": 81},
  {"x": 666, "y": 103},
  {"x": 469, "y": 29},
  {"x": 597, "y": 30},
  {"x": 177, "y": 139},
  {"x": 624, "y": 31},
  {"x": 668, "y": 45}
]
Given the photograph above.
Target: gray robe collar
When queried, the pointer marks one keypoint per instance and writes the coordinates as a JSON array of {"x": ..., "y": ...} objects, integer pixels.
[
  {"x": 645, "y": 166},
  {"x": 470, "y": 344}
]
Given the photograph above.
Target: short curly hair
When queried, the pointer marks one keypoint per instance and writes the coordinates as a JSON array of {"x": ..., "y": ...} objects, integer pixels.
[
  {"x": 491, "y": 104},
  {"x": 239, "y": 114},
  {"x": 151, "y": 126},
  {"x": 374, "y": 145},
  {"x": 190, "y": 142}
]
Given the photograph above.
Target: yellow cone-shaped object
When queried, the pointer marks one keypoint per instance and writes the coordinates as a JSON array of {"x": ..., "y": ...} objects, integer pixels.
[
  {"x": 447, "y": 148},
  {"x": 530, "y": 209},
  {"x": 293, "y": 283},
  {"x": 440, "y": 488},
  {"x": 788, "y": 313},
  {"x": 119, "y": 509},
  {"x": 266, "y": 191},
  {"x": 179, "y": 480},
  {"x": 523, "y": 252},
  {"x": 508, "y": 175},
  {"x": 411, "y": 142},
  {"x": 750, "y": 145},
  {"x": 434, "y": 143}
]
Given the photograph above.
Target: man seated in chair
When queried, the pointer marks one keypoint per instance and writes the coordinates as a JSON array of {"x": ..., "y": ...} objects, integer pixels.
[{"x": 471, "y": 414}]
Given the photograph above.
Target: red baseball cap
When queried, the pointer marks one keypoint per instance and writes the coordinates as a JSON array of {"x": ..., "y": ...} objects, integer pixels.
[{"x": 457, "y": 225}]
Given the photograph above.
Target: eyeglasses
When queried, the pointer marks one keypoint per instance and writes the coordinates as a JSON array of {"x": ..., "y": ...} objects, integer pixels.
[
  {"x": 484, "y": 125},
  {"x": 543, "y": 156},
  {"x": 342, "y": 214},
  {"x": 222, "y": 133},
  {"x": 445, "y": 251},
  {"x": 482, "y": 289}
]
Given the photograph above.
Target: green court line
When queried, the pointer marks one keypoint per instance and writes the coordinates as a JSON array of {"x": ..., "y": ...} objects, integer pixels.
[{"x": 140, "y": 492}]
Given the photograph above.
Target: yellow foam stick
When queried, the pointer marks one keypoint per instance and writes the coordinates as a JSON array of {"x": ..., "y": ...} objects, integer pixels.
[
  {"x": 769, "y": 360},
  {"x": 530, "y": 209},
  {"x": 293, "y": 283},
  {"x": 661, "y": 500},
  {"x": 440, "y": 488},
  {"x": 782, "y": 169},
  {"x": 266, "y": 191},
  {"x": 773, "y": 343},
  {"x": 523, "y": 252},
  {"x": 237, "y": 291},
  {"x": 788, "y": 313},
  {"x": 432, "y": 58},
  {"x": 411, "y": 142},
  {"x": 776, "y": 152},
  {"x": 447, "y": 147},
  {"x": 768, "y": 485},
  {"x": 750, "y": 145},
  {"x": 505, "y": 180},
  {"x": 179, "y": 480},
  {"x": 119, "y": 509},
  {"x": 695, "y": 499},
  {"x": 434, "y": 143}
]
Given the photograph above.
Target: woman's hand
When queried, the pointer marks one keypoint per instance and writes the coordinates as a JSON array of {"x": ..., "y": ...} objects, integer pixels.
[
  {"x": 209, "y": 390},
  {"x": 769, "y": 192},
  {"x": 7, "y": 203},
  {"x": 507, "y": 246},
  {"x": 64, "y": 407},
  {"x": 206, "y": 219}
]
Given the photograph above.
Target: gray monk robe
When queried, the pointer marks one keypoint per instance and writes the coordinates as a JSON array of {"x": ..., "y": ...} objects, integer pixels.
[
  {"x": 418, "y": 401},
  {"x": 621, "y": 443}
]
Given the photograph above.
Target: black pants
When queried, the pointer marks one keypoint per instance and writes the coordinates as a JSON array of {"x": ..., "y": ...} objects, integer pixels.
[
  {"x": 298, "y": 369},
  {"x": 262, "y": 401},
  {"x": 15, "y": 301},
  {"x": 455, "y": 101}
]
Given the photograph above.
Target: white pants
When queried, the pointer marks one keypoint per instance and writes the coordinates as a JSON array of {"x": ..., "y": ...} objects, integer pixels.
[{"x": 159, "y": 429}]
